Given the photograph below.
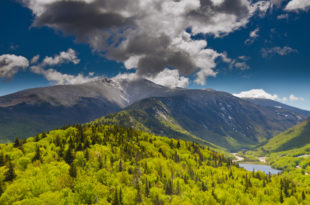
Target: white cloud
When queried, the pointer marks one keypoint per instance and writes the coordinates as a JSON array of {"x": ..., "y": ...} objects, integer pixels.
[
  {"x": 68, "y": 56},
  {"x": 257, "y": 93},
  {"x": 282, "y": 16},
  {"x": 284, "y": 99},
  {"x": 252, "y": 36},
  {"x": 267, "y": 52},
  {"x": 35, "y": 59},
  {"x": 55, "y": 76},
  {"x": 150, "y": 35},
  {"x": 260, "y": 93},
  {"x": 60, "y": 78},
  {"x": 11, "y": 64},
  {"x": 292, "y": 97},
  {"x": 295, "y": 5},
  {"x": 170, "y": 78}
]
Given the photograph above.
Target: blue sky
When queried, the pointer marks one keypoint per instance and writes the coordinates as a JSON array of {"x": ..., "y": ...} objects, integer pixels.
[{"x": 265, "y": 48}]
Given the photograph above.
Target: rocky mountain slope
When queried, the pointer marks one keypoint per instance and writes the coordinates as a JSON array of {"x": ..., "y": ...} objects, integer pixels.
[{"x": 212, "y": 116}]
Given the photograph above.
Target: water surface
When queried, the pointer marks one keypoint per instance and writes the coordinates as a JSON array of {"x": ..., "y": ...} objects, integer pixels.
[{"x": 259, "y": 167}]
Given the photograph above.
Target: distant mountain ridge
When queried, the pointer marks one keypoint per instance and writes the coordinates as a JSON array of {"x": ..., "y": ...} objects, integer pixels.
[
  {"x": 206, "y": 116},
  {"x": 32, "y": 111},
  {"x": 212, "y": 116},
  {"x": 276, "y": 104}
]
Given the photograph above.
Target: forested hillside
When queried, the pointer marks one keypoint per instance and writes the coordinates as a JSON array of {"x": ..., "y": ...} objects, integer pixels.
[
  {"x": 113, "y": 165},
  {"x": 296, "y": 137},
  {"x": 216, "y": 117}
]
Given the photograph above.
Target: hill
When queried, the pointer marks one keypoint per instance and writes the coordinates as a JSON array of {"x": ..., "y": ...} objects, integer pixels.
[
  {"x": 295, "y": 137},
  {"x": 99, "y": 164},
  {"x": 212, "y": 116},
  {"x": 32, "y": 111}
]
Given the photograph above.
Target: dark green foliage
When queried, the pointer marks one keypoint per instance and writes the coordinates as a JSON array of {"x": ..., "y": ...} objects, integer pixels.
[
  {"x": 2, "y": 162},
  {"x": 16, "y": 142},
  {"x": 69, "y": 156},
  {"x": 73, "y": 171},
  {"x": 37, "y": 155},
  {"x": 10, "y": 173}
]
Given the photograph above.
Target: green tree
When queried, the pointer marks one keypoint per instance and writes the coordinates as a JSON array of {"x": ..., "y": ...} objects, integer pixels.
[
  {"x": 37, "y": 156},
  {"x": 16, "y": 143},
  {"x": 9, "y": 175},
  {"x": 73, "y": 171},
  {"x": 69, "y": 156}
]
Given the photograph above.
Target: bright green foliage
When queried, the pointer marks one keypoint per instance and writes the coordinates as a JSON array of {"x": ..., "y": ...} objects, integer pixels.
[
  {"x": 106, "y": 164},
  {"x": 293, "y": 138}
]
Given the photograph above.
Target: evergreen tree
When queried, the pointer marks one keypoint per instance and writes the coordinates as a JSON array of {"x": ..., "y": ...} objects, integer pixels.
[
  {"x": 37, "y": 156},
  {"x": 138, "y": 196},
  {"x": 9, "y": 175},
  {"x": 147, "y": 188},
  {"x": 120, "y": 196},
  {"x": 86, "y": 154},
  {"x": 120, "y": 166},
  {"x": 69, "y": 156},
  {"x": 281, "y": 197},
  {"x": 73, "y": 171},
  {"x": 303, "y": 195},
  {"x": 16, "y": 142},
  {"x": 116, "y": 199},
  {"x": 2, "y": 162}
]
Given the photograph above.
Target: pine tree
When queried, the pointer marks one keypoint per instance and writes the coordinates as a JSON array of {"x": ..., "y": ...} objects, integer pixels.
[
  {"x": 178, "y": 192},
  {"x": 37, "y": 156},
  {"x": 86, "y": 154},
  {"x": 10, "y": 174},
  {"x": 2, "y": 162},
  {"x": 138, "y": 196},
  {"x": 73, "y": 171},
  {"x": 36, "y": 138},
  {"x": 120, "y": 196},
  {"x": 100, "y": 162},
  {"x": 147, "y": 188},
  {"x": 1, "y": 189},
  {"x": 281, "y": 197},
  {"x": 178, "y": 144},
  {"x": 303, "y": 195},
  {"x": 16, "y": 143},
  {"x": 116, "y": 199},
  {"x": 69, "y": 156},
  {"x": 120, "y": 166},
  {"x": 169, "y": 187}
]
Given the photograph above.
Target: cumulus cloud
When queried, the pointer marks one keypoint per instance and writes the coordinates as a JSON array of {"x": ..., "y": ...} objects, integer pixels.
[
  {"x": 252, "y": 36},
  {"x": 169, "y": 78},
  {"x": 257, "y": 93},
  {"x": 11, "y": 64},
  {"x": 294, "y": 98},
  {"x": 266, "y": 52},
  {"x": 54, "y": 76},
  {"x": 149, "y": 35},
  {"x": 62, "y": 79},
  {"x": 68, "y": 56},
  {"x": 295, "y": 5},
  {"x": 262, "y": 94}
]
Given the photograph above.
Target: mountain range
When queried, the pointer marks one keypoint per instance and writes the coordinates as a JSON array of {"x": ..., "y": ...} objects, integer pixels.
[{"x": 206, "y": 116}]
